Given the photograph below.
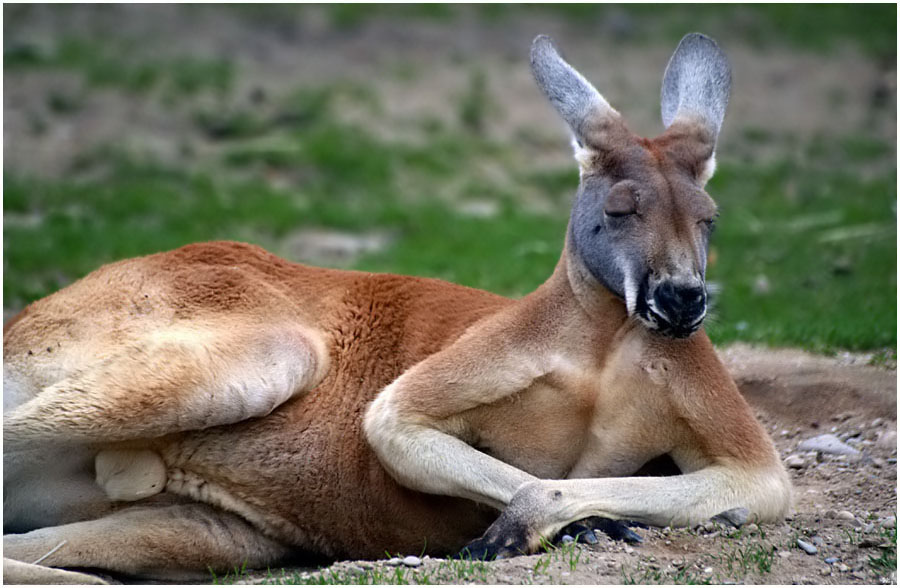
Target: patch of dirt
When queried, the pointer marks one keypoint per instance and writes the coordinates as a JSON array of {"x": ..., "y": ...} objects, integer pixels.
[{"x": 844, "y": 507}]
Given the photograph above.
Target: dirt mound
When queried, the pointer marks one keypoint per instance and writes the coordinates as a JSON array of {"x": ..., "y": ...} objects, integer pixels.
[{"x": 798, "y": 387}]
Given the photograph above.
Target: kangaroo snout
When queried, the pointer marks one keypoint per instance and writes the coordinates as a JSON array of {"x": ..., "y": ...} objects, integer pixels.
[
  {"x": 682, "y": 306},
  {"x": 673, "y": 308}
]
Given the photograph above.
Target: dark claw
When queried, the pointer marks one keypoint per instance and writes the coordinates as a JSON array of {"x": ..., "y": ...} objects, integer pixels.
[
  {"x": 502, "y": 539},
  {"x": 615, "y": 530},
  {"x": 581, "y": 532},
  {"x": 618, "y": 531},
  {"x": 487, "y": 550}
]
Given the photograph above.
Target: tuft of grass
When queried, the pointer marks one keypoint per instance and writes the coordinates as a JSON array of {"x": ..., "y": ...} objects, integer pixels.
[
  {"x": 451, "y": 571},
  {"x": 647, "y": 575},
  {"x": 886, "y": 561}
]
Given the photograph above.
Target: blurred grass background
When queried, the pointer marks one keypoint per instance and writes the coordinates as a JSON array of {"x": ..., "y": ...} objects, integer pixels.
[{"x": 410, "y": 139}]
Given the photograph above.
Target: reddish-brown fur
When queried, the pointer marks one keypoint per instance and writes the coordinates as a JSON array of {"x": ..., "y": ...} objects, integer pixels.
[
  {"x": 376, "y": 326},
  {"x": 290, "y": 408}
]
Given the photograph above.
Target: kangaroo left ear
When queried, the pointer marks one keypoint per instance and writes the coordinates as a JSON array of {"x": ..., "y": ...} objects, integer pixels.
[
  {"x": 695, "y": 91},
  {"x": 577, "y": 101}
]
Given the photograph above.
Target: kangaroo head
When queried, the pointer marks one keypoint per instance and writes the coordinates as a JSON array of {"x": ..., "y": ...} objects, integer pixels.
[{"x": 641, "y": 220}]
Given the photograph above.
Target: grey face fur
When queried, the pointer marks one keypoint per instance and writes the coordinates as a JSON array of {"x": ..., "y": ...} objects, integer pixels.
[{"x": 641, "y": 220}]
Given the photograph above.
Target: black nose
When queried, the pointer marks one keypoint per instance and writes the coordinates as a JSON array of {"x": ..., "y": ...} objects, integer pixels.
[{"x": 681, "y": 306}]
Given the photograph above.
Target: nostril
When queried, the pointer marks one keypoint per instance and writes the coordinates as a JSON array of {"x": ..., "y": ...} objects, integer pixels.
[
  {"x": 679, "y": 304},
  {"x": 693, "y": 295}
]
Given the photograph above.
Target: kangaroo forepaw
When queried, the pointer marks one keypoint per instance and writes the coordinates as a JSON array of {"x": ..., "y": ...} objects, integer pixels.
[
  {"x": 584, "y": 531},
  {"x": 494, "y": 545},
  {"x": 507, "y": 537}
]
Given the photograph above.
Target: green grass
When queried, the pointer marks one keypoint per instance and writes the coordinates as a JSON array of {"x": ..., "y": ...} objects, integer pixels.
[
  {"x": 740, "y": 561},
  {"x": 886, "y": 560},
  {"x": 814, "y": 247},
  {"x": 106, "y": 63},
  {"x": 811, "y": 27},
  {"x": 804, "y": 254},
  {"x": 450, "y": 571}
]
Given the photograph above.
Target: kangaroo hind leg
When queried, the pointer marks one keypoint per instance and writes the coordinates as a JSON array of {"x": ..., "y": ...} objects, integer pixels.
[
  {"x": 179, "y": 379},
  {"x": 174, "y": 543}
]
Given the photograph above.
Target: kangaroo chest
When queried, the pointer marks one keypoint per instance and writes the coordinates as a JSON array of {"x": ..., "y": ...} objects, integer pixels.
[{"x": 578, "y": 423}]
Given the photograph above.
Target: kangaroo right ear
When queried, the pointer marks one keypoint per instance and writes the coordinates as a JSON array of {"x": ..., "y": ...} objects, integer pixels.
[
  {"x": 697, "y": 84},
  {"x": 574, "y": 98}
]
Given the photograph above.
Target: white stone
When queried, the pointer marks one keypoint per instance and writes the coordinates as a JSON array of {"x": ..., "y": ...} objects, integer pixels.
[
  {"x": 829, "y": 444},
  {"x": 795, "y": 461}
]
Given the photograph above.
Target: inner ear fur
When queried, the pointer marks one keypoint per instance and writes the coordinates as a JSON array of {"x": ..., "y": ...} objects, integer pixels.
[
  {"x": 690, "y": 145},
  {"x": 605, "y": 139}
]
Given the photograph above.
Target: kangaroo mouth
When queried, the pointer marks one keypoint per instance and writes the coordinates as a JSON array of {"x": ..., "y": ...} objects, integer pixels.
[
  {"x": 648, "y": 312},
  {"x": 661, "y": 325}
]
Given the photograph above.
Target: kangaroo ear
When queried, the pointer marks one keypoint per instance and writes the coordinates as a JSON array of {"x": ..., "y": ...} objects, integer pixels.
[
  {"x": 697, "y": 84},
  {"x": 574, "y": 98}
]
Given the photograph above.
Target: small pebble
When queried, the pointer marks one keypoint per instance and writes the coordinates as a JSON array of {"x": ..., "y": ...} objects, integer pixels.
[
  {"x": 846, "y": 515},
  {"x": 889, "y": 522},
  {"x": 566, "y": 539},
  {"x": 807, "y": 547},
  {"x": 411, "y": 561},
  {"x": 795, "y": 462},
  {"x": 843, "y": 567},
  {"x": 831, "y": 560},
  {"x": 394, "y": 562},
  {"x": 629, "y": 549},
  {"x": 817, "y": 541},
  {"x": 736, "y": 517},
  {"x": 751, "y": 528},
  {"x": 784, "y": 554},
  {"x": 707, "y": 570},
  {"x": 887, "y": 440}
]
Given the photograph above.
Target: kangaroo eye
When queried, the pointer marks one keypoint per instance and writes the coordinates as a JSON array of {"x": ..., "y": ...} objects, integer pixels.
[
  {"x": 618, "y": 213},
  {"x": 709, "y": 224},
  {"x": 621, "y": 201}
]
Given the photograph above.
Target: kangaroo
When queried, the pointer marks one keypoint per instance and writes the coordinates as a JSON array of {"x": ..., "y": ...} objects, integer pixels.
[{"x": 217, "y": 406}]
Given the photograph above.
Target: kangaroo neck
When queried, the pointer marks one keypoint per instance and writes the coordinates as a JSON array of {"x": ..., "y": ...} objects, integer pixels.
[{"x": 584, "y": 299}]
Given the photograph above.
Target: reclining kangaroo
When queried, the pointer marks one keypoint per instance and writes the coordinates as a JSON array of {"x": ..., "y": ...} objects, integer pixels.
[{"x": 217, "y": 406}]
